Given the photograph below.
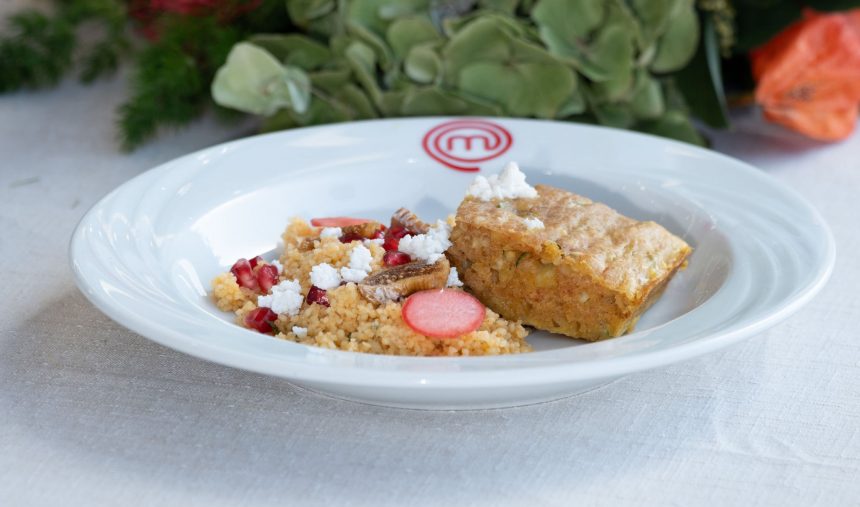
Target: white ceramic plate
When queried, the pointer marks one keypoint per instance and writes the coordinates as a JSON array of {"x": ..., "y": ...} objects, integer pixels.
[{"x": 146, "y": 252}]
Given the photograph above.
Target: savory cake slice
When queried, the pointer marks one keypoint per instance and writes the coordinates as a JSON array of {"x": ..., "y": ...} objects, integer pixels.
[{"x": 557, "y": 260}]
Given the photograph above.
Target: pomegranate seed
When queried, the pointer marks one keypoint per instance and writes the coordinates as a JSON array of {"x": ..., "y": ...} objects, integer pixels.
[
  {"x": 261, "y": 319},
  {"x": 397, "y": 231},
  {"x": 395, "y": 258},
  {"x": 392, "y": 237},
  {"x": 390, "y": 244},
  {"x": 267, "y": 276},
  {"x": 380, "y": 233},
  {"x": 256, "y": 260},
  {"x": 244, "y": 276},
  {"x": 317, "y": 296}
]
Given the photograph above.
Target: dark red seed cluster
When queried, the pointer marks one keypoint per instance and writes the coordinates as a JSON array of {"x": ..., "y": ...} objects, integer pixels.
[
  {"x": 267, "y": 276},
  {"x": 261, "y": 319},
  {"x": 244, "y": 274},
  {"x": 392, "y": 237},
  {"x": 395, "y": 258},
  {"x": 252, "y": 275},
  {"x": 317, "y": 296}
]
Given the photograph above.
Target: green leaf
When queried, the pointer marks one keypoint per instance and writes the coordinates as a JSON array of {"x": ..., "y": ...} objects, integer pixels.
[
  {"x": 523, "y": 50},
  {"x": 506, "y": 6},
  {"x": 339, "y": 43},
  {"x": 281, "y": 120},
  {"x": 491, "y": 38},
  {"x": 375, "y": 15},
  {"x": 302, "y": 12},
  {"x": 294, "y": 49},
  {"x": 674, "y": 125},
  {"x": 701, "y": 82},
  {"x": 647, "y": 101},
  {"x": 434, "y": 102},
  {"x": 295, "y": 85},
  {"x": 511, "y": 25},
  {"x": 384, "y": 55},
  {"x": 393, "y": 9},
  {"x": 391, "y": 102},
  {"x": 574, "y": 104},
  {"x": 252, "y": 80},
  {"x": 547, "y": 87},
  {"x": 331, "y": 80},
  {"x": 612, "y": 53},
  {"x": 326, "y": 26},
  {"x": 566, "y": 27},
  {"x": 678, "y": 44},
  {"x": 423, "y": 64},
  {"x": 614, "y": 115},
  {"x": 606, "y": 56},
  {"x": 570, "y": 23},
  {"x": 362, "y": 61},
  {"x": 654, "y": 17},
  {"x": 356, "y": 100},
  {"x": 406, "y": 33},
  {"x": 527, "y": 89},
  {"x": 324, "y": 110},
  {"x": 479, "y": 41}
]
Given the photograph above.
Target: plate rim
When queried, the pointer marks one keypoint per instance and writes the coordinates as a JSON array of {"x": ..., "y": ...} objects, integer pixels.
[{"x": 612, "y": 367}]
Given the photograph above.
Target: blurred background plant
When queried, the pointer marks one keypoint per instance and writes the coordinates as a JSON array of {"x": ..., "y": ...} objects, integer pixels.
[{"x": 657, "y": 66}]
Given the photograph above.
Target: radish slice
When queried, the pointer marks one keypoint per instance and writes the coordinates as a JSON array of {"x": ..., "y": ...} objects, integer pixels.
[
  {"x": 443, "y": 313},
  {"x": 337, "y": 221}
]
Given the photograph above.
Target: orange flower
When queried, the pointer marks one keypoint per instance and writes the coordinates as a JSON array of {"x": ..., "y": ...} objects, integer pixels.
[{"x": 809, "y": 75}]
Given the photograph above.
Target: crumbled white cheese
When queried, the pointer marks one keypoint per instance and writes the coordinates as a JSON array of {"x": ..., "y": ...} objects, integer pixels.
[
  {"x": 286, "y": 297},
  {"x": 325, "y": 276},
  {"x": 360, "y": 258},
  {"x": 368, "y": 242},
  {"x": 509, "y": 184},
  {"x": 301, "y": 332},
  {"x": 453, "y": 278},
  {"x": 278, "y": 266},
  {"x": 353, "y": 275},
  {"x": 359, "y": 264},
  {"x": 331, "y": 232},
  {"x": 533, "y": 223},
  {"x": 428, "y": 247}
]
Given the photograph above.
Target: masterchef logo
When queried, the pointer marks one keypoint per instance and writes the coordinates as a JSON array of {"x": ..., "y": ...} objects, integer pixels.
[{"x": 464, "y": 144}]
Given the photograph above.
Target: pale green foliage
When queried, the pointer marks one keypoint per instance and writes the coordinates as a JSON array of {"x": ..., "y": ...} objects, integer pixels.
[
  {"x": 253, "y": 81},
  {"x": 603, "y": 61}
]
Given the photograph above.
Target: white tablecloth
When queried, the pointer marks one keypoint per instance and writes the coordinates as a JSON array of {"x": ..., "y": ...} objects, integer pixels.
[{"x": 92, "y": 414}]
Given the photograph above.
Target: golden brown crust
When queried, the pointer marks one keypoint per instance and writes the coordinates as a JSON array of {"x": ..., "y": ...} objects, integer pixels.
[{"x": 588, "y": 273}]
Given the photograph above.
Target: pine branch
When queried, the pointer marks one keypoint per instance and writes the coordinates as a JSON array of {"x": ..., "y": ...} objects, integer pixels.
[
  {"x": 102, "y": 60},
  {"x": 40, "y": 49},
  {"x": 171, "y": 84},
  {"x": 103, "y": 57},
  {"x": 37, "y": 53}
]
